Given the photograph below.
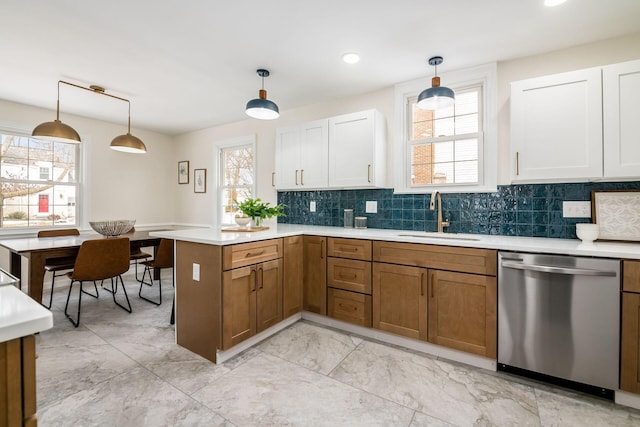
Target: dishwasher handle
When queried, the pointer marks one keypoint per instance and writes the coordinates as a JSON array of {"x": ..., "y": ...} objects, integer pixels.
[{"x": 558, "y": 270}]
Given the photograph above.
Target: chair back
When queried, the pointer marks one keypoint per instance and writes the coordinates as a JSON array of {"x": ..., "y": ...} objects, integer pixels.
[
  {"x": 101, "y": 259},
  {"x": 59, "y": 232},
  {"x": 164, "y": 255}
]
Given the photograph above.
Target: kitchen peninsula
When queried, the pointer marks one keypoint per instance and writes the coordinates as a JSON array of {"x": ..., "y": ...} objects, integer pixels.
[{"x": 234, "y": 289}]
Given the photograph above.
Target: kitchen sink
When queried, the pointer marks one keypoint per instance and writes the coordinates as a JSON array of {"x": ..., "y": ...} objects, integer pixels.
[{"x": 444, "y": 236}]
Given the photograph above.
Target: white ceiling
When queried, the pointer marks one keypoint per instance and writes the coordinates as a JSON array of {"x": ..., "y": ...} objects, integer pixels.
[{"x": 188, "y": 65}]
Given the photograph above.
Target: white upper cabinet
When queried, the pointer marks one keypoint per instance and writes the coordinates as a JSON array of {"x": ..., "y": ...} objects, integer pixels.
[
  {"x": 357, "y": 150},
  {"x": 621, "y": 102},
  {"x": 302, "y": 156},
  {"x": 556, "y": 127}
]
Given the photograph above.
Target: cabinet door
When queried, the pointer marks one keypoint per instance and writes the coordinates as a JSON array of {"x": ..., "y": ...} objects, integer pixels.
[
  {"x": 238, "y": 305},
  {"x": 287, "y": 158},
  {"x": 269, "y": 294},
  {"x": 621, "y": 109},
  {"x": 292, "y": 276},
  {"x": 314, "y": 155},
  {"x": 630, "y": 343},
  {"x": 356, "y": 150},
  {"x": 556, "y": 127},
  {"x": 400, "y": 299},
  {"x": 315, "y": 274},
  {"x": 462, "y": 312}
]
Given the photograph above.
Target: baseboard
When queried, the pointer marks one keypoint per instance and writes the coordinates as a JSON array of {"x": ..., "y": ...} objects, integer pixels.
[
  {"x": 223, "y": 356},
  {"x": 625, "y": 398},
  {"x": 420, "y": 346}
]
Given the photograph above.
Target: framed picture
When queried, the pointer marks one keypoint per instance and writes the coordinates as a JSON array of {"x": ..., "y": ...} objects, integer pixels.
[
  {"x": 183, "y": 172},
  {"x": 617, "y": 212},
  {"x": 199, "y": 180}
]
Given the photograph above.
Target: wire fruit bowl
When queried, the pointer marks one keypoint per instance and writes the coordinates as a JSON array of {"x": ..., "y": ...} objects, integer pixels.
[{"x": 112, "y": 228}]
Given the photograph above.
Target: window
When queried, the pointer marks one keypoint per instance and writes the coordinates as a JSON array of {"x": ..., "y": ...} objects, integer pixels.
[
  {"x": 445, "y": 144},
  {"x": 38, "y": 184},
  {"x": 237, "y": 176},
  {"x": 451, "y": 149}
]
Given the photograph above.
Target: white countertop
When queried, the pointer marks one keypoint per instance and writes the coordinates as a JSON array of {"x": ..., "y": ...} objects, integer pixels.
[
  {"x": 20, "y": 315},
  {"x": 214, "y": 236}
]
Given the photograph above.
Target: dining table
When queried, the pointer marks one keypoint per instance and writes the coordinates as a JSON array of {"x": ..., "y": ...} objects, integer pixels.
[{"x": 37, "y": 250}]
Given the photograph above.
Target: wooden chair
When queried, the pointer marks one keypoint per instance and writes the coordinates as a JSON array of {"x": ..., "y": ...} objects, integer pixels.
[
  {"x": 137, "y": 255},
  {"x": 100, "y": 259},
  {"x": 57, "y": 265},
  {"x": 163, "y": 259}
]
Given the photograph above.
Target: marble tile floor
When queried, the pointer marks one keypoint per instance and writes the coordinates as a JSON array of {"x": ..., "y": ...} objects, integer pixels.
[{"x": 120, "y": 369}]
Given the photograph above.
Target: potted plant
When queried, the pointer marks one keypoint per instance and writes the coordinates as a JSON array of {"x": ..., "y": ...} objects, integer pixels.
[{"x": 258, "y": 210}]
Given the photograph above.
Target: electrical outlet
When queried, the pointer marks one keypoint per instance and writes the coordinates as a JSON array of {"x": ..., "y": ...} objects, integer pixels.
[
  {"x": 371, "y": 207},
  {"x": 196, "y": 272},
  {"x": 576, "y": 209},
  {"x": 312, "y": 206}
]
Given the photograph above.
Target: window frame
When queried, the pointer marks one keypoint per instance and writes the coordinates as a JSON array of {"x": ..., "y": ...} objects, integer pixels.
[
  {"x": 80, "y": 183},
  {"x": 220, "y": 147},
  {"x": 484, "y": 76}
]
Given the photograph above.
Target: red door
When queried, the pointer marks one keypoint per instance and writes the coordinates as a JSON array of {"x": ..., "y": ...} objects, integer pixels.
[{"x": 43, "y": 203}]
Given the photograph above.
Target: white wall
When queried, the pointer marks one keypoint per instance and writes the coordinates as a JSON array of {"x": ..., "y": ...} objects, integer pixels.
[
  {"x": 119, "y": 185},
  {"x": 199, "y": 148}
]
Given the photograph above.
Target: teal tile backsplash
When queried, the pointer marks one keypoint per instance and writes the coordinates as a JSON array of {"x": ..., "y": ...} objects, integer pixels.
[{"x": 533, "y": 210}]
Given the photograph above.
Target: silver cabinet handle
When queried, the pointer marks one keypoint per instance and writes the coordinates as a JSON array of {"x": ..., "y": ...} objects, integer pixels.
[
  {"x": 558, "y": 270},
  {"x": 296, "y": 176},
  {"x": 517, "y": 163},
  {"x": 301, "y": 176},
  {"x": 368, "y": 173},
  {"x": 273, "y": 182}
]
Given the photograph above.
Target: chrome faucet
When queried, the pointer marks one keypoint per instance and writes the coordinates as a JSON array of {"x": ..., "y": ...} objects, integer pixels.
[{"x": 432, "y": 205}]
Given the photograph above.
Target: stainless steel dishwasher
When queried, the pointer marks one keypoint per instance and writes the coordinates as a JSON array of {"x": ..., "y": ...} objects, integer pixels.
[{"x": 559, "y": 316}]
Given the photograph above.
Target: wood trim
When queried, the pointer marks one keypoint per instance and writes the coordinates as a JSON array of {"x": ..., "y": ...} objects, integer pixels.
[
  {"x": 315, "y": 275},
  {"x": 349, "y": 248},
  {"x": 29, "y": 403},
  {"x": 631, "y": 276},
  {"x": 243, "y": 254},
  {"x": 349, "y": 274},
  {"x": 11, "y": 383},
  {"x": 630, "y": 343},
  {"x": 292, "y": 275},
  {"x": 451, "y": 258}
]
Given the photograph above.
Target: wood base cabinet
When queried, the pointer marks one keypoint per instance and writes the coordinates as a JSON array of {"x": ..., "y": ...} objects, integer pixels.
[
  {"x": 315, "y": 274},
  {"x": 293, "y": 271},
  {"x": 630, "y": 328},
  {"x": 251, "y": 301},
  {"x": 18, "y": 382},
  {"x": 400, "y": 300},
  {"x": 462, "y": 312}
]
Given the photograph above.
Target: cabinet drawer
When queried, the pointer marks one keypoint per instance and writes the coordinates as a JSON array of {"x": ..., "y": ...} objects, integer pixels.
[
  {"x": 631, "y": 276},
  {"x": 450, "y": 258},
  {"x": 243, "y": 254},
  {"x": 349, "y": 274},
  {"x": 350, "y": 307},
  {"x": 349, "y": 248}
]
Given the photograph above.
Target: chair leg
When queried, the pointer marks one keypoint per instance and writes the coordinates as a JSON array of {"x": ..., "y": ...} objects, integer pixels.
[
  {"x": 74, "y": 322},
  {"x": 147, "y": 268},
  {"x": 90, "y": 294},
  {"x": 144, "y": 274},
  {"x": 115, "y": 290},
  {"x": 173, "y": 312},
  {"x": 53, "y": 281}
]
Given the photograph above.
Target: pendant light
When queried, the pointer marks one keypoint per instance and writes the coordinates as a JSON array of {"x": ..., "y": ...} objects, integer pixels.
[
  {"x": 436, "y": 96},
  {"x": 261, "y": 108},
  {"x": 56, "y": 130}
]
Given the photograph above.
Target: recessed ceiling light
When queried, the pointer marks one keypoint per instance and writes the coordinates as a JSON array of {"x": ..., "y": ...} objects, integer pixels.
[
  {"x": 351, "y": 57},
  {"x": 551, "y": 3}
]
